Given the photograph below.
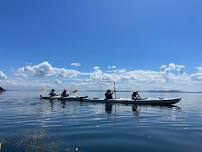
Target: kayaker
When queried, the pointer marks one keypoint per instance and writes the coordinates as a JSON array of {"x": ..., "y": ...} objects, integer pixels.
[
  {"x": 135, "y": 95},
  {"x": 108, "y": 95},
  {"x": 52, "y": 93},
  {"x": 64, "y": 93}
]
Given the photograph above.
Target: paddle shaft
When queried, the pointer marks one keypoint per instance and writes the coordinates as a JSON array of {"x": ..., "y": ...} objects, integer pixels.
[
  {"x": 73, "y": 92},
  {"x": 115, "y": 89}
]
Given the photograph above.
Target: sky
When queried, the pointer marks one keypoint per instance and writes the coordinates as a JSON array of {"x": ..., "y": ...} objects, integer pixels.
[{"x": 140, "y": 44}]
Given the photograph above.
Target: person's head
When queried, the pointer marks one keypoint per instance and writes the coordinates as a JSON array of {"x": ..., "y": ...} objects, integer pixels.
[
  {"x": 65, "y": 90},
  {"x": 108, "y": 91},
  {"x": 52, "y": 90}
]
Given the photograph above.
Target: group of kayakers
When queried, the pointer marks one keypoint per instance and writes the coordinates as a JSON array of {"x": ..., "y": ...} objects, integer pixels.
[
  {"x": 64, "y": 93},
  {"x": 108, "y": 94}
]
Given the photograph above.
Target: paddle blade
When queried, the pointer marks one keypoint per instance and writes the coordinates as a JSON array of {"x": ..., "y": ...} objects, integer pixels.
[{"x": 75, "y": 91}]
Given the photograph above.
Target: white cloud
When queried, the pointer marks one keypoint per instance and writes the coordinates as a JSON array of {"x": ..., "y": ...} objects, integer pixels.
[
  {"x": 173, "y": 68},
  {"x": 2, "y": 76},
  {"x": 96, "y": 67},
  {"x": 143, "y": 76},
  {"x": 75, "y": 64},
  {"x": 61, "y": 72},
  {"x": 44, "y": 69},
  {"x": 197, "y": 76},
  {"x": 199, "y": 69},
  {"x": 99, "y": 75},
  {"x": 111, "y": 67}
]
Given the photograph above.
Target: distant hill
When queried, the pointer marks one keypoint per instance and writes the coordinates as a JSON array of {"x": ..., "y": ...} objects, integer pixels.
[{"x": 1, "y": 89}]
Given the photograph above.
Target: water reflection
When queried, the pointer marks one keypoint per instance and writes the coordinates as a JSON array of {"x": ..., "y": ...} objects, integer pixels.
[
  {"x": 170, "y": 107},
  {"x": 2, "y": 92},
  {"x": 136, "y": 110},
  {"x": 63, "y": 104},
  {"x": 52, "y": 104},
  {"x": 108, "y": 107}
]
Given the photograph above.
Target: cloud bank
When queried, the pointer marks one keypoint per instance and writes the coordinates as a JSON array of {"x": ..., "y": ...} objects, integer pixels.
[
  {"x": 171, "y": 76},
  {"x": 171, "y": 72}
]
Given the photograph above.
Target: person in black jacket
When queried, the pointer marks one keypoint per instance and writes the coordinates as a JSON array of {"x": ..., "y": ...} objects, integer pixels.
[
  {"x": 52, "y": 93},
  {"x": 135, "y": 95},
  {"x": 64, "y": 94},
  {"x": 108, "y": 95}
]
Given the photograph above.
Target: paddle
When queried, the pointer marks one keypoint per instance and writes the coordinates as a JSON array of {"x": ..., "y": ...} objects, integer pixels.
[
  {"x": 74, "y": 91},
  {"x": 115, "y": 89}
]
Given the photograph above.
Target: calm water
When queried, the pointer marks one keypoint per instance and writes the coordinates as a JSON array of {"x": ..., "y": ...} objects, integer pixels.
[{"x": 29, "y": 124}]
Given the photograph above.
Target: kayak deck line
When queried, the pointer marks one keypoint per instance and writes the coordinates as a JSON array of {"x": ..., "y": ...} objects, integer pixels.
[{"x": 143, "y": 101}]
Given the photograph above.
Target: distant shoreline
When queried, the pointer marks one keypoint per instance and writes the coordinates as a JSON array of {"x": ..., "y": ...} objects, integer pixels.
[{"x": 151, "y": 91}]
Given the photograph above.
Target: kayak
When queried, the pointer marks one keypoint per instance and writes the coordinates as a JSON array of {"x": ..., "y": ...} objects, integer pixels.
[
  {"x": 70, "y": 98},
  {"x": 73, "y": 98},
  {"x": 50, "y": 98},
  {"x": 144, "y": 101}
]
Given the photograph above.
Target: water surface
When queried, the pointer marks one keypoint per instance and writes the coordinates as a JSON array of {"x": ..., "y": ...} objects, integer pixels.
[{"x": 30, "y": 124}]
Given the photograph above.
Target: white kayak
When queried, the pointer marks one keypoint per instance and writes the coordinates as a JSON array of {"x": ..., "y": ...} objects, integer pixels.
[
  {"x": 69, "y": 98},
  {"x": 73, "y": 98},
  {"x": 50, "y": 98}
]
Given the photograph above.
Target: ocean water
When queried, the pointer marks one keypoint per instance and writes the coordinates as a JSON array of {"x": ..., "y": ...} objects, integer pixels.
[{"x": 33, "y": 125}]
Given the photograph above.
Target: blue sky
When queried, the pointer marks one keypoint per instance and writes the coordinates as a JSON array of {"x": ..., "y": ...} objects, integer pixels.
[{"x": 130, "y": 34}]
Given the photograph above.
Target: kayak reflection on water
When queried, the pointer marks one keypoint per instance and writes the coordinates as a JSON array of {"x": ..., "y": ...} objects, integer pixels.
[{"x": 108, "y": 107}]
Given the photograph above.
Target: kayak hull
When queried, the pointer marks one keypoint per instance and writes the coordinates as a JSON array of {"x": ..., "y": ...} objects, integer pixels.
[
  {"x": 70, "y": 98},
  {"x": 73, "y": 98},
  {"x": 50, "y": 98},
  {"x": 146, "y": 101}
]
